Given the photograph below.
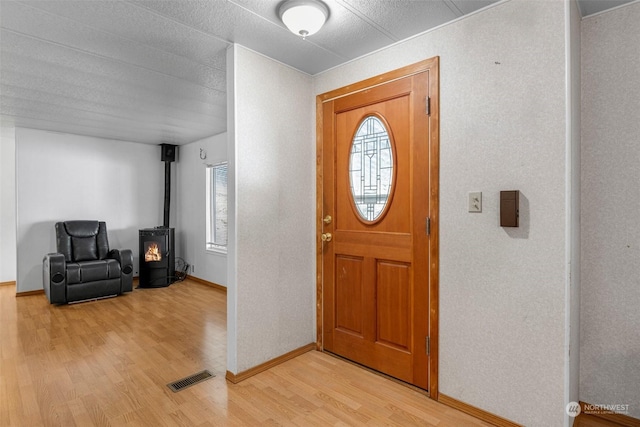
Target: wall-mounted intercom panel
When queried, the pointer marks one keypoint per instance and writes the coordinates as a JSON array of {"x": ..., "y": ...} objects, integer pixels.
[{"x": 509, "y": 208}]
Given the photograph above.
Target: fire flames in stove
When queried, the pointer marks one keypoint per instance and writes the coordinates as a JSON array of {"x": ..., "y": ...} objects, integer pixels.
[{"x": 153, "y": 253}]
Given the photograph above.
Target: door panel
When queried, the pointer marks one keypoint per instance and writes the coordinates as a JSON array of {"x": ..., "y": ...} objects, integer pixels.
[
  {"x": 393, "y": 309},
  {"x": 396, "y": 219},
  {"x": 376, "y": 268},
  {"x": 348, "y": 295}
]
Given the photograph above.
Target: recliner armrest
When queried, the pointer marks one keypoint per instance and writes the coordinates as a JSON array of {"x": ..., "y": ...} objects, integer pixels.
[
  {"x": 125, "y": 259},
  {"x": 54, "y": 278}
]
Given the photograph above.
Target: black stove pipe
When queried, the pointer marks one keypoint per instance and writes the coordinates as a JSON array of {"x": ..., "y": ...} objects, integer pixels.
[
  {"x": 167, "y": 193},
  {"x": 168, "y": 155}
]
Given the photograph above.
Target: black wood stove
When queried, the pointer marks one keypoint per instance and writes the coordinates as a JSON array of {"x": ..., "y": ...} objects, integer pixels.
[
  {"x": 157, "y": 257},
  {"x": 157, "y": 245}
]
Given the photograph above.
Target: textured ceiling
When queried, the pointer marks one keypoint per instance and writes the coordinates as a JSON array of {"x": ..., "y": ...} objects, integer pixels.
[
  {"x": 590, "y": 7},
  {"x": 154, "y": 71}
]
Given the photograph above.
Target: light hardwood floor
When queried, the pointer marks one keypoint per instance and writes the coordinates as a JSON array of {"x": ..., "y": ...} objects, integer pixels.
[{"x": 107, "y": 363}]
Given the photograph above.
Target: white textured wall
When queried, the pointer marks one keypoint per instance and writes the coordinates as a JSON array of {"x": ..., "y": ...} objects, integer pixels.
[
  {"x": 66, "y": 177},
  {"x": 572, "y": 299},
  {"x": 191, "y": 208},
  {"x": 272, "y": 307},
  {"x": 7, "y": 204},
  {"x": 502, "y": 291},
  {"x": 610, "y": 312}
]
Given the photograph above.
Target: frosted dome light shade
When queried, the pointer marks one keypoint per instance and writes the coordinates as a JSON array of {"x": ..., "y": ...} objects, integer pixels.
[{"x": 303, "y": 17}]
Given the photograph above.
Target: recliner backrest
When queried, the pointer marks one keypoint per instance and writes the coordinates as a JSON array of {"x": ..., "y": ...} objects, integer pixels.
[{"x": 82, "y": 240}]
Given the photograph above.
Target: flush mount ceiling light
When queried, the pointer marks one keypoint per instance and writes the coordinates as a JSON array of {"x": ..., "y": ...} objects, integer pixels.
[{"x": 303, "y": 17}]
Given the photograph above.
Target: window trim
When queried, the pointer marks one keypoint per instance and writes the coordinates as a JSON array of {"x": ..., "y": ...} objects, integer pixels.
[{"x": 210, "y": 207}]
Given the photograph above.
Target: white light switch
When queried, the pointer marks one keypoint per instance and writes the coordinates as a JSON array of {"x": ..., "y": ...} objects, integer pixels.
[{"x": 475, "y": 201}]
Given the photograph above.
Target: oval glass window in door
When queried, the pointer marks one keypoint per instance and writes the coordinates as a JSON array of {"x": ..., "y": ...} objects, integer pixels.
[{"x": 371, "y": 168}]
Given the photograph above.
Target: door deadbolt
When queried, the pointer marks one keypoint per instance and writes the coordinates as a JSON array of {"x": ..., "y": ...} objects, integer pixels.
[{"x": 327, "y": 219}]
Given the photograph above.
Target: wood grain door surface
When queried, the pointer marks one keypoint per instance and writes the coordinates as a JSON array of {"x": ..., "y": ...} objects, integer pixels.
[{"x": 376, "y": 268}]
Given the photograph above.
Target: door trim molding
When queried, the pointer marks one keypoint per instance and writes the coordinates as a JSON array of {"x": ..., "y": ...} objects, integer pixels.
[{"x": 431, "y": 65}]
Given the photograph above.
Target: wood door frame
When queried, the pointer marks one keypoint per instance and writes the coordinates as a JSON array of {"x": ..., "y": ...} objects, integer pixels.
[{"x": 431, "y": 65}]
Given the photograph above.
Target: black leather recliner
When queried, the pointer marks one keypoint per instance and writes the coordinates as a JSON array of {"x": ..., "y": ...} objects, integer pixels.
[{"x": 84, "y": 267}]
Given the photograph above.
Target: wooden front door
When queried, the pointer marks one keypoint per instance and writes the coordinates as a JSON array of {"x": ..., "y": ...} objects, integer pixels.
[{"x": 378, "y": 223}]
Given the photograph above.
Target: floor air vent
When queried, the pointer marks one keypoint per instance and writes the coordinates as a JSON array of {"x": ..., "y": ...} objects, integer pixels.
[{"x": 190, "y": 380}]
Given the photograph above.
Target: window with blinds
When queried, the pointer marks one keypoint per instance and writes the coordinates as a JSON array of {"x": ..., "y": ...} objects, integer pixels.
[{"x": 217, "y": 207}]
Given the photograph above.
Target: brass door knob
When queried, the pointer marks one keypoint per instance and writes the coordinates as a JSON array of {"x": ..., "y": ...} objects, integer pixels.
[{"x": 326, "y": 237}]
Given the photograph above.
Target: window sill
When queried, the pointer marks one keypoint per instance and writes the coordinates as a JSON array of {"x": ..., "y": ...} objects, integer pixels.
[{"x": 216, "y": 251}]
